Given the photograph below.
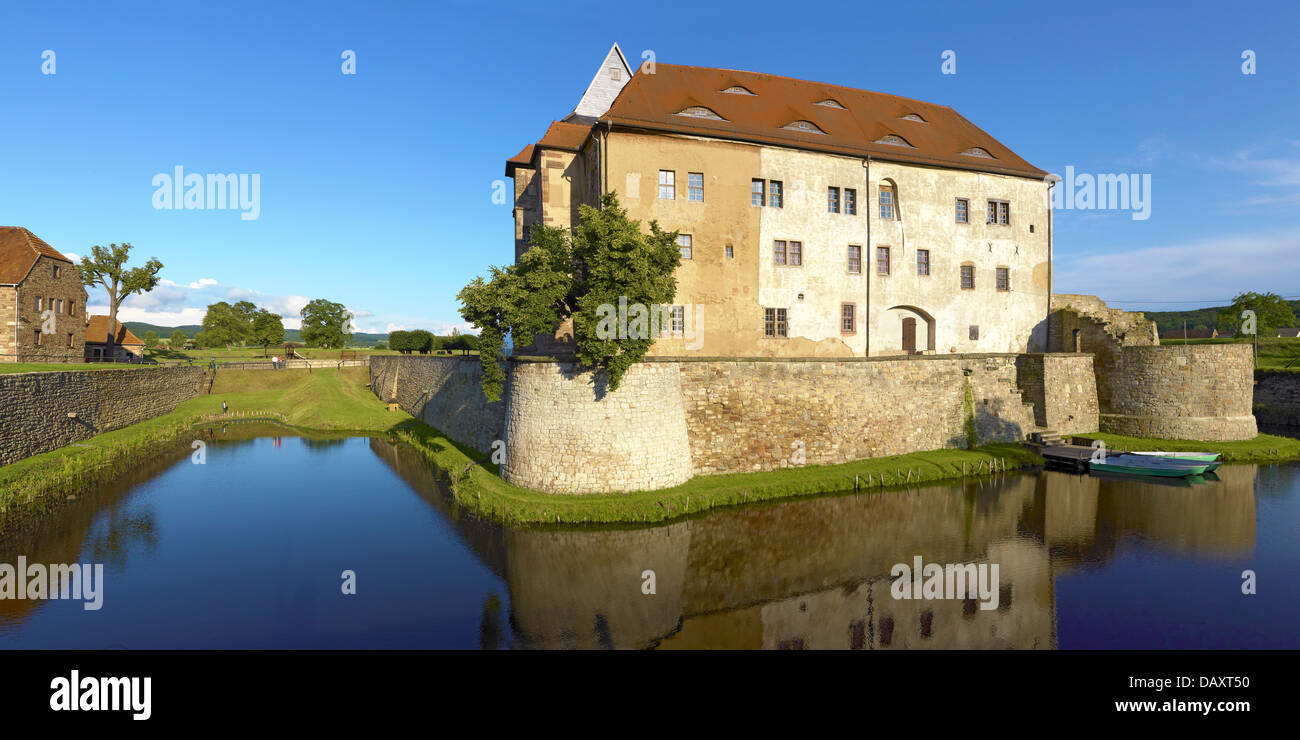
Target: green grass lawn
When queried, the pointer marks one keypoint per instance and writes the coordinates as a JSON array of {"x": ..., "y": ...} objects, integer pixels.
[
  {"x": 1262, "y": 449},
  {"x": 40, "y": 367}
]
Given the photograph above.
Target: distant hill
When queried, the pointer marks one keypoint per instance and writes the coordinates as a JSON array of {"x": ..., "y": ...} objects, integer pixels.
[
  {"x": 1200, "y": 318},
  {"x": 138, "y": 328}
]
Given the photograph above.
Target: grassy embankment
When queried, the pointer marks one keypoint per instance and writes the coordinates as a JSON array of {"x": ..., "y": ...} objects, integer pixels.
[
  {"x": 339, "y": 401},
  {"x": 1265, "y": 448}
]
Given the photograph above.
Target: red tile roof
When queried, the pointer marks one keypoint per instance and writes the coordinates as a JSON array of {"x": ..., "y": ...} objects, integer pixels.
[
  {"x": 566, "y": 136},
  {"x": 855, "y": 128},
  {"x": 19, "y": 250},
  {"x": 97, "y": 332}
]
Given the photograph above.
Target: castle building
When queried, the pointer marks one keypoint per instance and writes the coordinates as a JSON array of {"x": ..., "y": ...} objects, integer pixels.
[{"x": 813, "y": 219}]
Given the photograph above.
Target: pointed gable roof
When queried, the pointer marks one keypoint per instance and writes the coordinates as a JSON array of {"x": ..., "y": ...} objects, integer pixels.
[
  {"x": 97, "y": 332},
  {"x": 868, "y": 124},
  {"x": 603, "y": 88},
  {"x": 19, "y": 251}
]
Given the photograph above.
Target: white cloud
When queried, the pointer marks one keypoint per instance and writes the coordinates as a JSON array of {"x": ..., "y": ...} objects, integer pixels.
[
  {"x": 73, "y": 256},
  {"x": 1203, "y": 272},
  {"x": 202, "y": 283}
]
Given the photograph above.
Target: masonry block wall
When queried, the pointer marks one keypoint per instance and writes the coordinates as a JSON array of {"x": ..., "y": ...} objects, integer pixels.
[
  {"x": 8, "y": 323},
  {"x": 1063, "y": 390},
  {"x": 748, "y": 415},
  {"x": 1277, "y": 398},
  {"x": 35, "y": 407},
  {"x": 67, "y": 341},
  {"x": 1201, "y": 392}
]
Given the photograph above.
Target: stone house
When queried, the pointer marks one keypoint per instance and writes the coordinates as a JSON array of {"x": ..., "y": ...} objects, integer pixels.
[
  {"x": 42, "y": 301},
  {"x": 127, "y": 347},
  {"x": 813, "y": 219}
]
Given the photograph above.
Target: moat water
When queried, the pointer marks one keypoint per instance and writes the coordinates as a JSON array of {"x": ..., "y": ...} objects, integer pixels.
[{"x": 248, "y": 550}]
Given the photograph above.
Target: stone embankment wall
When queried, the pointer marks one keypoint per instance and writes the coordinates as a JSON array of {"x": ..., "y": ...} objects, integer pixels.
[
  {"x": 1277, "y": 398},
  {"x": 673, "y": 418},
  {"x": 43, "y": 411}
]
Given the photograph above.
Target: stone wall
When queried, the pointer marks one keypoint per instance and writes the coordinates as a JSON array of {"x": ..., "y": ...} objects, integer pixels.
[
  {"x": 1063, "y": 390},
  {"x": 1201, "y": 392},
  {"x": 565, "y": 433},
  {"x": 35, "y": 408},
  {"x": 1277, "y": 398},
  {"x": 66, "y": 343},
  {"x": 746, "y": 415},
  {"x": 443, "y": 392}
]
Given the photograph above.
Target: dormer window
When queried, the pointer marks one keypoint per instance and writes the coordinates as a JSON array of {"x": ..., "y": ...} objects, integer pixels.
[
  {"x": 913, "y": 117},
  {"x": 737, "y": 90},
  {"x": 830, "y": 103},
  {"x": 805, "y": 126},
  {"x": 699, "y": 111},
  {"x": 893, "y": 140},
  {"x": 976, "y": 151}
]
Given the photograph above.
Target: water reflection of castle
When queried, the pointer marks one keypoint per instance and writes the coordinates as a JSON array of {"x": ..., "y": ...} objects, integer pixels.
[{"x": 815, "y": 573}]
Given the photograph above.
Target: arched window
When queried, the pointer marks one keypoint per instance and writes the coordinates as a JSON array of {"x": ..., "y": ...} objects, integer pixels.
[
  {"x": 830, "y": 103},
  {"x": 738, "y": 90},
  {"x": 888, "y": 199},
  {"x": 977, "y": 151},
  {"x": 913, "y": 117}
]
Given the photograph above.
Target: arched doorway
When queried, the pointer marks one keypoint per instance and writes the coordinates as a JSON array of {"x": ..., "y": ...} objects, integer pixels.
[{"x": 908, "y": 330}]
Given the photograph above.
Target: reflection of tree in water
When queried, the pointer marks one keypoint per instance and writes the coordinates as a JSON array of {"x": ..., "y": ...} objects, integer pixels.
[
  {"x": 490, "y": 632},
  {"x": 320, "y": 444},
  {"x": 113, "y": 541}
]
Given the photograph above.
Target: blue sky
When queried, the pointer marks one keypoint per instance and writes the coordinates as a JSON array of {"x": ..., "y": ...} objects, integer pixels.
[{"x": 375, "y": 188}]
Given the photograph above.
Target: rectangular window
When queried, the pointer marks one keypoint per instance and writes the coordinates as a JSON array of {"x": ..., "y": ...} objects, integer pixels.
[
  {"x": 38, "y": 337},
  {"x": 774, "y": 191},
  {"x": 615, "y": 74},
  {"x": 774, "y": 322},
  {"x": 69, "y": 339},
  {"x": 684, "y": 242},
  {"x": 887, "y": 202},
  {"x": 58, "y": 306},
  {"x": 757, "y": 195},
  {"x": 855, "y": 259},
  {"x": 974, "y": 332},
  {"x": 833, "y": 200},
  {"x": 667, "y": 185},
  {"x": 999, "y": 212},
  {"x": 778, "y": 252},
  {"x": 1004, "y": 278},
  {"x": 679, "y": 320},
  {"x": 38, "y": 303},
  {"x": 963, "y": 211},
  {"x": 848, "y": 318},
  {"x": 72, "y": 308},
  {"x": 882, "y": 260},
  {"x": 968, "y": 277},
  {"x": 850, "y": 202},
  {"x": 922, "y": 262},
  {"x": 796, "y": 254},
  {"x": 57, "y": 270},
  {"x": 695, "y": 186},
  {"x": 730, "y": 253}
]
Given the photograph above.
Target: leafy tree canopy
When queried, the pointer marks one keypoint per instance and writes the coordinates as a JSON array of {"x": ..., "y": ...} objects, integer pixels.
[
  {"x": 1272, "y": 312},
  {"x": 561, "y": 277},
  {"x": 267, "y": 327},
  {"x": 326, "y": 324},
  {"x": 106, "y": 267}
]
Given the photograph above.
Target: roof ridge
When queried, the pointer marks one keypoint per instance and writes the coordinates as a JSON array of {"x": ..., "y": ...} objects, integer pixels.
[{"x": 800, "y": 79}]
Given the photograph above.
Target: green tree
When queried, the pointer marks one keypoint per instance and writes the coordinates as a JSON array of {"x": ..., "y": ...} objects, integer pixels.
[
  {"x": 1272, "y": 312},
  {"x": 381, "y": 344},
  {"x": 177, "y": 340},
  {"x": 268, "y": 328},
  {"x": 580, "y": 278},
  {"x": 107, "y": 267},
  {"x": 420, "y": 341},
  {"x": 397, "y": 340},
  {"x": 151, "y": 339},
  {"x": 326, "y": 324},
  {"x": 223, "y": 324}
]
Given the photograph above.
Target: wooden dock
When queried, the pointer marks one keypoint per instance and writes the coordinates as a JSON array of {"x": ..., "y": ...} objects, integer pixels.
[{"x": 1069, "y": 457}]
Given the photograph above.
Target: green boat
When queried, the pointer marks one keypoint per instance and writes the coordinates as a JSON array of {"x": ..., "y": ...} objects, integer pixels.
[
  {"x": 1149, "y": 465},
  {"x": 1210, "y": 458}
]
